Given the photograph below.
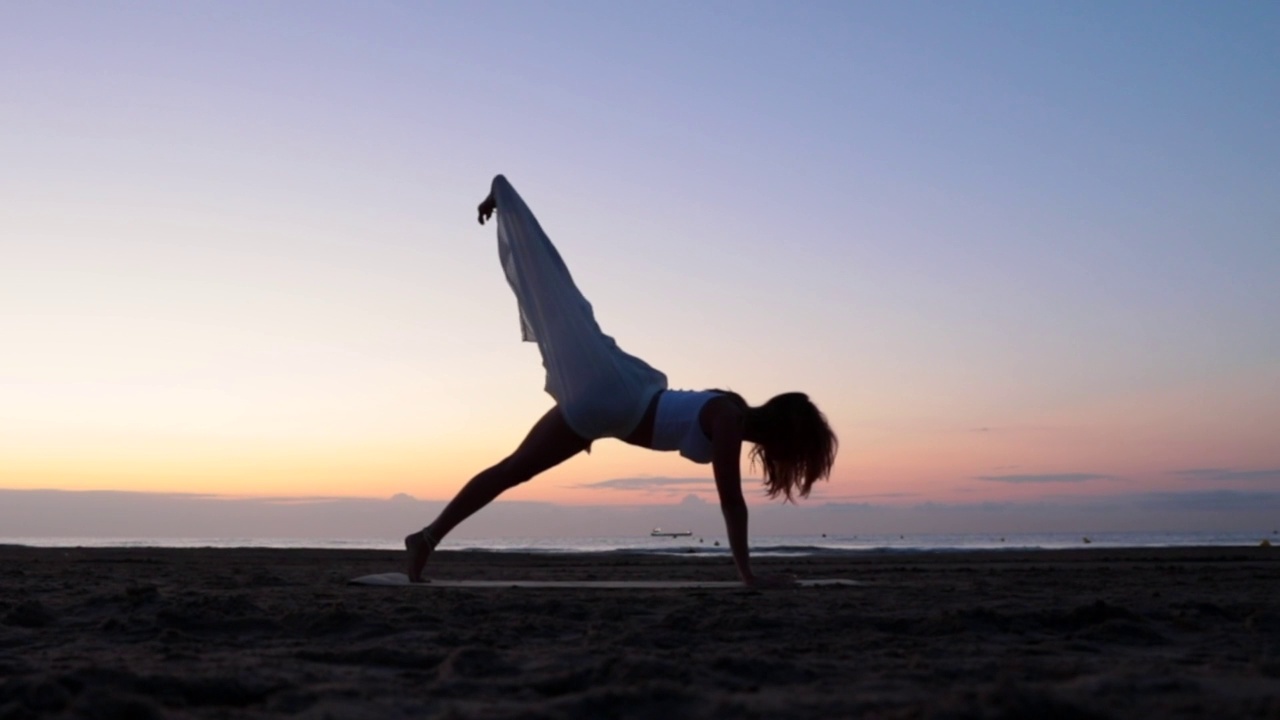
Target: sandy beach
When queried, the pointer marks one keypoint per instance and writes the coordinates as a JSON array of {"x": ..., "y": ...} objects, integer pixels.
[{"x": 1090, "y": 633}]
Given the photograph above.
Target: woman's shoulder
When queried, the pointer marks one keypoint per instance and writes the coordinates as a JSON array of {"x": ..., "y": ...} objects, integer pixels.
[
  {"x": 726, "y": 399},
  {"x": 721, "y": 407}
]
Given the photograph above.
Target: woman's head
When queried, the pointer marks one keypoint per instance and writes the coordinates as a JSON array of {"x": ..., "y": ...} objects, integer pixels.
[{"x": 794, "y": 445}]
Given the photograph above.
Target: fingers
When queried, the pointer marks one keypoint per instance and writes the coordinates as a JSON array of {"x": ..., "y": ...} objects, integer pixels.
[{"x": 486, "y": 209}]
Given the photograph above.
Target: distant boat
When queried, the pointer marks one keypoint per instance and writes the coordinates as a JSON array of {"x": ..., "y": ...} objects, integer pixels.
[{"x": 659, "y": 532}]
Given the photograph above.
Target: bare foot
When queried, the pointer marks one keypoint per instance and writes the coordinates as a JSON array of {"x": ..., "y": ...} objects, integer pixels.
[{"x": 419, "y": 551}]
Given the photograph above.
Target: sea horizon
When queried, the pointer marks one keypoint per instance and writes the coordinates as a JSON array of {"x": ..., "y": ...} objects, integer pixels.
[{"x": 702, "y": 546}]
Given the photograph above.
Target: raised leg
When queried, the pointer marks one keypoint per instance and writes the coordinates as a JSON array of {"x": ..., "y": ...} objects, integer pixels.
[{"x": 549, "y": 443}]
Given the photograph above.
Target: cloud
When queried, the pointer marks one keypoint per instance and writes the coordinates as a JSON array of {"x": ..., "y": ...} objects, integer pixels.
[
  {"x": 1182, "y": 502},
  {"x": 1209, "y": 500},
  {"x": 1217, "y": 511},
  {"x": 30, "y": 514},
  {"x": 107, "y": 514},
  {"x": 286, "y": 500},
  {"x": 844, "y": 506},
  {"x": 652, "y": 484},
  {"x": 1226, "y": 475},
  {"x": 863, "y": 498},
  {"x": 1043, "y": 478}
]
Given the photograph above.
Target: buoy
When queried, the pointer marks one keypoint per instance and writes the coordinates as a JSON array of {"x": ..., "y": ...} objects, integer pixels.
[{"x": 1265, "y": 543}]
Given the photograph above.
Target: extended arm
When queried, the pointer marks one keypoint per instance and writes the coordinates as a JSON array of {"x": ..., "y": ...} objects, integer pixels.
[
  {"x": 725, "y": 420},
  {"x": 726, "y": 438}
]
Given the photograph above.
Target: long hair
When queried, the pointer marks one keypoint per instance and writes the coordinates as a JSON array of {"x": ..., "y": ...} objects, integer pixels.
[{"x": 794, "y": 445}]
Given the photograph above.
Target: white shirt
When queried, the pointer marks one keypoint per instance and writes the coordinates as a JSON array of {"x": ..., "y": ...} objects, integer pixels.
[{"x": 676, "y": 426}]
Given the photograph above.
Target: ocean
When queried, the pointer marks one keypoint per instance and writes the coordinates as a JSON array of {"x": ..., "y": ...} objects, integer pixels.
[{"x": 694, "y": 546}]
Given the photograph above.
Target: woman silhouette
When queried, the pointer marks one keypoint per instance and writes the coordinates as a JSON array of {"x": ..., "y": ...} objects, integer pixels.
[{"x": 601, "y": 391}]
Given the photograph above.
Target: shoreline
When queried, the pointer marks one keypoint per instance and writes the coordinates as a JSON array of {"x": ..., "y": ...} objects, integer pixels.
[
  {"x": 1258, "y": 552},
  {"x": 783, "y": 548},
  {"x": 269, "y": 633}
]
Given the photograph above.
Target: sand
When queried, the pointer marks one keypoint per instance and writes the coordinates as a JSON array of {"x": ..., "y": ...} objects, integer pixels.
[{"x": 204, "y": 633}]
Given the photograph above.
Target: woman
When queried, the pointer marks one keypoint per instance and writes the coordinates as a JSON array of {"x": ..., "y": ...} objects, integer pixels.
[{"x": 601, "y": 391}]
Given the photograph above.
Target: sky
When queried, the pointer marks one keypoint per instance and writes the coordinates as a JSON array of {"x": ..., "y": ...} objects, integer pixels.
[{"x": 1023, "y": 255}]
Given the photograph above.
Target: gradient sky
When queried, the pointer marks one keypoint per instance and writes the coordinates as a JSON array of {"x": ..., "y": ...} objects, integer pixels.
[{"x": 1017, "y": 251}]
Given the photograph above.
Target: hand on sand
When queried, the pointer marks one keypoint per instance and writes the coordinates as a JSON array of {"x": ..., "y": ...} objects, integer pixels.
[
  {"x": 764, "y": 582},
  {"x": 486, "y": 209}
]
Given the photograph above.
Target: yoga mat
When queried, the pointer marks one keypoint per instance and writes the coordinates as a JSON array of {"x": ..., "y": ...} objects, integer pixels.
[{"x": 402, "y": 580}]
